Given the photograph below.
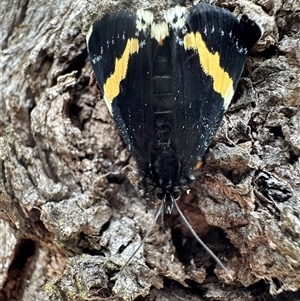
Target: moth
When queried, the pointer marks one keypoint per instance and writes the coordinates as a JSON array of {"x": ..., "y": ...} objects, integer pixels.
[{"x": 167, "y": 86}]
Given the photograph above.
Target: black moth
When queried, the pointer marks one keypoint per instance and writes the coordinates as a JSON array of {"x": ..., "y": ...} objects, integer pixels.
[{"x": 167, "y": 86}]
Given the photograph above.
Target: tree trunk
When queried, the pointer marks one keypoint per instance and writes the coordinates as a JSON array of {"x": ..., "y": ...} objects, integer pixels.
[{"x": 70, "y": 217}]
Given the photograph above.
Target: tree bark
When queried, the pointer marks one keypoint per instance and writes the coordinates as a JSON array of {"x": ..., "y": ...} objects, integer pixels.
[{"x": 69, "y": 216}]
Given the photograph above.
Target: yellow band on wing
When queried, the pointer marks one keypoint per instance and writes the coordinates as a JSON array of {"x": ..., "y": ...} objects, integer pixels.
[
  {"x": 210, "y": 62},
  {"x": 112, "y": 86}
]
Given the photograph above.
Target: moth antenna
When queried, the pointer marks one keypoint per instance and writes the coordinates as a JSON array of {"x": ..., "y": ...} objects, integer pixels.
[
  {"x": 157, "y": 214},
  {"x": 208, "y": 250}
]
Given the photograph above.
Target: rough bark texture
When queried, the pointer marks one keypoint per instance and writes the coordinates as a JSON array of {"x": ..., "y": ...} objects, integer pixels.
[{"x": 69, "y": 217}]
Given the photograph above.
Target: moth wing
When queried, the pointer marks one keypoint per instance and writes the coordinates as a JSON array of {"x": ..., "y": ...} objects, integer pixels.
[
  {"x": 208, "y": 56},
  {"x": 121, "y": 55}
]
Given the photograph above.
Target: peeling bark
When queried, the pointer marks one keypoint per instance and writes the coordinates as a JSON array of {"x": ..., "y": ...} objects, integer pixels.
[{"x": 70, "y": 218}]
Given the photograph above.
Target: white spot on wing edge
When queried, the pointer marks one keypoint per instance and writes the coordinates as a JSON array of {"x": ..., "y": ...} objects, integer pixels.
[
  {"x": 144, "y": 19},
  {"x": 228, "y": 98},
  {"x": 108, "y": 104},
  {"x": 88, "y": 35},
  {"x": 145, "y": 22},
  {"x": 176, "y": 17}
]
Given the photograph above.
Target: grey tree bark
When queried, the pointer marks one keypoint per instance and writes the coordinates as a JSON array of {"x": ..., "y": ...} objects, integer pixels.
[{"x": 70, "y": 217}]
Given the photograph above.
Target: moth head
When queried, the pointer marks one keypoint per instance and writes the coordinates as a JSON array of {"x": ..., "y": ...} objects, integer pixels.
[{"x": 168, "y": 199}]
